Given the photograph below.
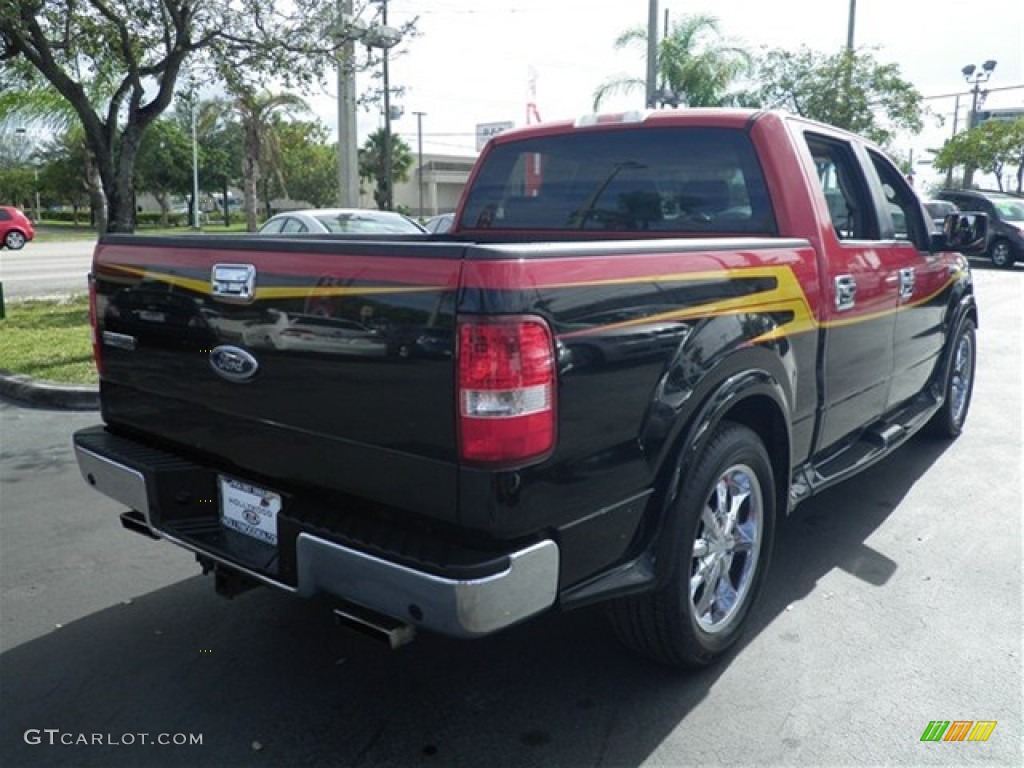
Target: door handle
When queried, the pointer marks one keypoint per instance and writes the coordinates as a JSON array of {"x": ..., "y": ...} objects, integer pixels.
[
  {"x": 846, "y": 292},
  {"x": 907, "y": 283}
]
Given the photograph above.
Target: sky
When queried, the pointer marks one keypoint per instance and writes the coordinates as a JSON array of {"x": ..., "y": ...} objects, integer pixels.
[{"x": 472, "y": 60}]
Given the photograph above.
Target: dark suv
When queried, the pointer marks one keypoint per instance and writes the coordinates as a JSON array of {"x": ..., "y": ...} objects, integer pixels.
[{"x": 1006, "y": 221}]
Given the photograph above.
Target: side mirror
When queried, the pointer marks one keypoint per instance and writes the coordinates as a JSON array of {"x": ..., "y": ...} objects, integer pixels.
[{"x": 964, "y": 232}]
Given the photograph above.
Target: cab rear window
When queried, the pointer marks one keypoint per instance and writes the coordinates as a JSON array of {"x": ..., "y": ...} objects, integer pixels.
[{"x": 672, "y": 180}]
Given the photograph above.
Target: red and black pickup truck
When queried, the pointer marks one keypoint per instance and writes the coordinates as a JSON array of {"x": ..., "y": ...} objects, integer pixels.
[{"x": 647, "y": 338}]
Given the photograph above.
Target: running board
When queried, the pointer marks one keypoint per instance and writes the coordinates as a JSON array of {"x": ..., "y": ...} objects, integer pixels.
[{"x": 875, "y": 443}]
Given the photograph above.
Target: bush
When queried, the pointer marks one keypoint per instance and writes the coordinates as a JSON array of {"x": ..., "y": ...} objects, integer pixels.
[
  {"x": 69, "y": 216},
  {"x": 156, "y": 219}
]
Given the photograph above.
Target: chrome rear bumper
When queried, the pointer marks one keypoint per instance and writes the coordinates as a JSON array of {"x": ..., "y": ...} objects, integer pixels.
[{"x": 451, "y": 606}]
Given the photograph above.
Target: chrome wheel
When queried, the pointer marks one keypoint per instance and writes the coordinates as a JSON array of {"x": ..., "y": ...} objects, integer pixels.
[
  {"x": 726, "y": 549},
  {"x": 961, "y": 378}
]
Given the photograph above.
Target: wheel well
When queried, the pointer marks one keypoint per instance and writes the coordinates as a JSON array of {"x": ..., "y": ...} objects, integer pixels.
[{"x": 763, "y": 416}]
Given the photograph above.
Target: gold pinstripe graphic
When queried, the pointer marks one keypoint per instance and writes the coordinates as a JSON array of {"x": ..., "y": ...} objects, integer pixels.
[
  {"x": 787, "y": 297},
  {"x": 273, "y": 292}
]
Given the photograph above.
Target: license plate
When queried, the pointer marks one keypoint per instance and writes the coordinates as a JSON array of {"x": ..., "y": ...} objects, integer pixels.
[{"x": 248, "y": 509}]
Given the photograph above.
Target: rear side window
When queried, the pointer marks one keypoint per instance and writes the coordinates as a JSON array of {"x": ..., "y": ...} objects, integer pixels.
[
  {"x": 293, "y": 226},
  {"x": 846, "y": 195},
  {"x": 4, "y": 215},
  {"x": 676, "y": 180}
]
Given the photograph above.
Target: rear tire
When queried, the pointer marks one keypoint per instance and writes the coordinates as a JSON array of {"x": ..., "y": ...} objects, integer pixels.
[
  {"x": 721, "y": 526},
  {"x": 1001, "y": 254},
  {"x": 15, "y": 240},
  {"x": 948, "y": 421}
]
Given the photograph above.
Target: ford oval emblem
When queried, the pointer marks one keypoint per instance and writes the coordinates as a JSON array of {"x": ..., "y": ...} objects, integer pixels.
[{"x": 233, "y": 363}]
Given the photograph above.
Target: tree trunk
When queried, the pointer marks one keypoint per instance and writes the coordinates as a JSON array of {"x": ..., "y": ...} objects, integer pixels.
[
  {"x": 227, "y": 208},
  {"x": 251, "y": 172},
  {"x": 164, "y": 202},
  {"x": 94, "y": 188},
  {"x": 122, "y": 194}
]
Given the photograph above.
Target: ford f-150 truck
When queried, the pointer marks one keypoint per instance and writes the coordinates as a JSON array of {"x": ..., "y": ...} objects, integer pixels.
[{"x": 646, "y": 339}]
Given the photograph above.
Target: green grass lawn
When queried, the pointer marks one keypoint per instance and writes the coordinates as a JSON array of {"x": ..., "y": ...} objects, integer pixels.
[
  {"x": 53, "y": 232},
  {"x": 49, "y": 340}
]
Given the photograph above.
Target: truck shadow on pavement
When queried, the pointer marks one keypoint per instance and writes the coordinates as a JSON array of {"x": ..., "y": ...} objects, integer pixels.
[{"x": 269, "y": 680}]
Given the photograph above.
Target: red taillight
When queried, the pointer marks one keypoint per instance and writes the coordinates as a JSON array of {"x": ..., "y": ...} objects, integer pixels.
[
  {"x": 94, "y": 322},
  {"x": 506, "y": 390}
]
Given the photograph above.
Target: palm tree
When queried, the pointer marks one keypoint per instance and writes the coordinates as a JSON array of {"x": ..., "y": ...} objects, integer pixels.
[
  {"x": 371, "y": 164},
  {"x": 37, "y": 104},
  {"x": 256, "y": 111},
  {"x": 695, "y": 67}
]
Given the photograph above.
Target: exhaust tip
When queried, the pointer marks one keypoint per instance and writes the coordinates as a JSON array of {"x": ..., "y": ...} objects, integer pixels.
[
  {"x": 376, "y": 626},
  {"x": 135, "y": 521}
]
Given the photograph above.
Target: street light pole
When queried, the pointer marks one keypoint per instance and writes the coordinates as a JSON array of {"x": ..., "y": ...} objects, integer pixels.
[
  {"x": 195, "y": 159},
  {"x": 975, "y": 76},
  {"x": 956, "y": 118}
]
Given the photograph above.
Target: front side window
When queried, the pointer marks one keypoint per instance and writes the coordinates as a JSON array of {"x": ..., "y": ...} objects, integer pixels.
[
  {"x": 1010, "y": 210},
  {"x": 903, "y": 205},
  {"x": 676, "y": 180}
]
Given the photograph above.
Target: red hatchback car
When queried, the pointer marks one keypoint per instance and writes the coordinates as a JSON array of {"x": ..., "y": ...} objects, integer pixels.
[{"x": 15, "y": 228}]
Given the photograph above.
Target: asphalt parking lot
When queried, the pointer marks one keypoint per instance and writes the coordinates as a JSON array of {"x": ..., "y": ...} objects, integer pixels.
[{"x": 893, "y": 601}]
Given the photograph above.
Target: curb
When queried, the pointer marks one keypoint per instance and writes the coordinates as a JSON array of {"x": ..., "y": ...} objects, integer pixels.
[{"x": 47, "y": 394}]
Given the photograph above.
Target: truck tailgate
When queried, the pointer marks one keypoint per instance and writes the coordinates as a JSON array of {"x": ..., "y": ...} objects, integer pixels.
[{"x": 306, "y": 362}]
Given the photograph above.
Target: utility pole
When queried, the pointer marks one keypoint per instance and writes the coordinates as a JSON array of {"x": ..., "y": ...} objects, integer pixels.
[
  {"x": 652, "y": 54},
  {"x": 956, "y": 117},
  {"x": 419, "y": 152},
  {"x": 389, "y": 200},
  {"x": 348, "y": 151},
  {"x": 850, "y": 26}
]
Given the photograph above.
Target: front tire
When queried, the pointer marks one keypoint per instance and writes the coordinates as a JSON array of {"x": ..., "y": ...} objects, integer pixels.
[
  {"x": 721, "y": 530},
  {"x": 948, "y": 421}
]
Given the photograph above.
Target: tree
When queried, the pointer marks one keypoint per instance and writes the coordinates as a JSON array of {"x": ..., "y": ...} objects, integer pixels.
[
  {"x": 849, "y": 90},
  {"x": 309, "y": 164},
  {"x": 164, "y": 164},
  {"x": 30, "y": 103},
  {"x": 992, "y": 147},
  {"x": 64, "y": 177},
  {"x": 220, "y": 163},
  {"x": 695, "y": 68},
  {"x": 371, "y": 164},
  {"x": 133, "y": 52},
  {"x": 257, "y": 112}
]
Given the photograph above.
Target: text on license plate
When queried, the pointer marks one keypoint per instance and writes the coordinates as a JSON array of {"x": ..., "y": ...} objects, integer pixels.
[{"x": 248, "y": 509}]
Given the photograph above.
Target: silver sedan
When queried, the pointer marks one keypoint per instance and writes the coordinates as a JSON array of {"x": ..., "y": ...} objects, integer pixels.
[{"x": 351, "y": 221}]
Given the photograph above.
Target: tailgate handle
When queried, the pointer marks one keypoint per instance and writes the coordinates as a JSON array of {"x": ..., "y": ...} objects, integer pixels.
[{"x": 234, "y": 283}]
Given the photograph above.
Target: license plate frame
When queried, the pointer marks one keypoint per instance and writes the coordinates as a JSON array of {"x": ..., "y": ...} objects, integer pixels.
[{"x": 249, "y": 509}]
